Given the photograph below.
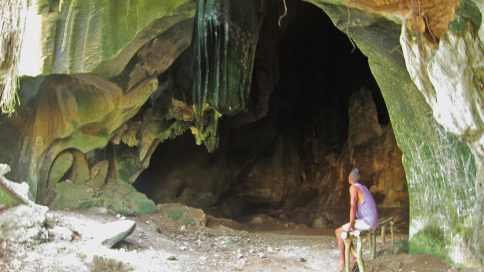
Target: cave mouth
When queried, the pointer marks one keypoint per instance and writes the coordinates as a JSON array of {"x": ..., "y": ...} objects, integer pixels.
[{"x": 276, "y": 164}]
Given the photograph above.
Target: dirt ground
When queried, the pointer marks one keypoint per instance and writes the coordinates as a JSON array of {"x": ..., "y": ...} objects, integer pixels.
[{"x": 158, "y": 244}]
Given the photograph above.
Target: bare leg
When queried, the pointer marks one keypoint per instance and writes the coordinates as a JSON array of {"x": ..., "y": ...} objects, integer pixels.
[{"x": 341, "y": 247}]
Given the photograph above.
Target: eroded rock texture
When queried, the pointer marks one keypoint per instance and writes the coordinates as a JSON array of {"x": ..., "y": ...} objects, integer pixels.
[
  {"x": 439, "y": 167},
  {"x": 294, "y": 161},
  {"x": 285, "y": 110}
]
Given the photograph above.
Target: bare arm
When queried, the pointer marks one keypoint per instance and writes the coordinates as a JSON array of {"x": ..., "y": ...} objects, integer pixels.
[{"x": 354, "y": 201}]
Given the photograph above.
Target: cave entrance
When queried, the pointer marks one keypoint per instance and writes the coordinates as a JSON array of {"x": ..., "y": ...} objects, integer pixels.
[{"x": 291, "y": 162}]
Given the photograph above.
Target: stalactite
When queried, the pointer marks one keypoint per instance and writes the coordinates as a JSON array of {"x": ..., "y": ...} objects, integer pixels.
[{"x": 225, "y": 39}]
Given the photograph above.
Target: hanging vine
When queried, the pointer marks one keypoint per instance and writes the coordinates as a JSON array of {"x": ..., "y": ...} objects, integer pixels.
[
  {"x": 12, "y": 27},
  {"x": 285, "y": 12}
]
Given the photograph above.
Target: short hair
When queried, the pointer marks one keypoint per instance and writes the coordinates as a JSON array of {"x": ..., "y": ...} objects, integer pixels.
[{"x": 355, "y": 175}]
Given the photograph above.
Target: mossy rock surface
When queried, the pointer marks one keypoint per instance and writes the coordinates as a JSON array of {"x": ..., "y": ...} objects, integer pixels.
[
  {"x": 101, "y": 36},
  {"x": 183, "y": 215},
  {"x": 439, "y": 167},
  {"x": 116, "y": 196}
]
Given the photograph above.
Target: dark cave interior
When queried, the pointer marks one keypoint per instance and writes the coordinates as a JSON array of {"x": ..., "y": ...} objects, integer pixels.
[{"x": 268, "y": 163}]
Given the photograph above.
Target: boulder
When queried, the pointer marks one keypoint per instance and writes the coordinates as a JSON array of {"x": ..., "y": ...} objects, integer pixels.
[
  {"x": 12, "y": 192},
  {"x": 183, "y": 215},
  {"x": 116, "y": 196},
  {"x": 24, "y": 224},
  {"x": 111, "y": 233}
]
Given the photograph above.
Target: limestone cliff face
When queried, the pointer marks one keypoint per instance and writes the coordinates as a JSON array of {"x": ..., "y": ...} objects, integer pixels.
[
  {"x": 450, "y": 79},
  {"x": 71, "y": 109},
  {"x": 440, "y": 167},
  {"x": 111, "y": 80}
]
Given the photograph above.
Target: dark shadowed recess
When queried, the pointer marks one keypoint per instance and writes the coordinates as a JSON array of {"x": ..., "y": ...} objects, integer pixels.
[{"x": 315, "y": 74}]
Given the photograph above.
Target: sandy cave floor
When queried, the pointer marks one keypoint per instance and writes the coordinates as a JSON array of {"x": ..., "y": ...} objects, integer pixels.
[{"x": 158, "y": 244}]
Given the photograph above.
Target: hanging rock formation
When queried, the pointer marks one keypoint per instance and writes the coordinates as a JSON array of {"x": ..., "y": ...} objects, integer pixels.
[{"x": 110, "y": 81}]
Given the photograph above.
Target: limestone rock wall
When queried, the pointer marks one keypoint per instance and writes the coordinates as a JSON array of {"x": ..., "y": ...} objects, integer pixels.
[
  {"x": 294, "y": 162},
  {"x": 90, "y": 118},
  {"x": 440, "y": 168},
  {"x": 73, "y": 115},
  {"x": 94, "y": 36},
  {"x": 450, "y": 79}
]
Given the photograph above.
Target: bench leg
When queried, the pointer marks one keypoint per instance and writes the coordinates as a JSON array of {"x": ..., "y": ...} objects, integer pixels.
[
  {"x": 347, "y": 242},
  {"x": 370, "y": 242},
  {"x": 391, "y": 230},
  {"x": 383, "y": 241},
  {"x": 359, "y": 256},
  {"x": 373, "y": 246}
]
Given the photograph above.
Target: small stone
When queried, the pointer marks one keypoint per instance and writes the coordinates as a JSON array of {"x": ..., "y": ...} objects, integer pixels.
[
  {"x": 182, "y": 248},
  {"x": 240, "y": 256},
  {"x": 203, "y": 258},
  {"x": 16, "y": 263},
  {"x": 302, "y": 260},
  {"x": 171, "y": 258},
  {"x": 111, "y": 233},
  {"x": 269, "y": 249},
  {"x": 251, "y": 251},
  {"x": 61, "y": 233},
  {"x": 261, "y": 255}
]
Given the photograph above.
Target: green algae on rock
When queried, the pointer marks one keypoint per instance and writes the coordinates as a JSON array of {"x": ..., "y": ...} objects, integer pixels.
[{"x": 439, "y": 167}]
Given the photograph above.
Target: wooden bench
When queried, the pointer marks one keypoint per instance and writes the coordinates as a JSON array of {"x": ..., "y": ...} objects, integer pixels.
[{"x": 348, "y": 237}]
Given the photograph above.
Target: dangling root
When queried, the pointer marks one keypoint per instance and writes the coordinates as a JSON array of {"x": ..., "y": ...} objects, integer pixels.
[
  {"x": 348, "y": 33},
  {"x": 285, "y": 13}
]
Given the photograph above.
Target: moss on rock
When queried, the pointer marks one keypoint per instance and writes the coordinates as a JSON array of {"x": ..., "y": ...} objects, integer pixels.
[
  {"x": 101, "y": 36},
  {"x": 117, "y": 196},
  {"x": 440, "y": 168}
]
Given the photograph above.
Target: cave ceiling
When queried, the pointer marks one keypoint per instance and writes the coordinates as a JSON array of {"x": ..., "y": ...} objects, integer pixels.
[{"x": 215, "y": 105}]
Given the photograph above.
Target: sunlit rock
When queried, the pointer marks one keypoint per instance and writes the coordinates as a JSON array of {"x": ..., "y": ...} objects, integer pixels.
[
  {"x": 72, "y": 36},
  {"x": 450, "y": 79}
]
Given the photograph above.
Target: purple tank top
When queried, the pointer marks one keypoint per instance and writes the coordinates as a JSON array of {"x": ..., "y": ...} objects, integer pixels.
[{"x": 366, "y": 211}]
